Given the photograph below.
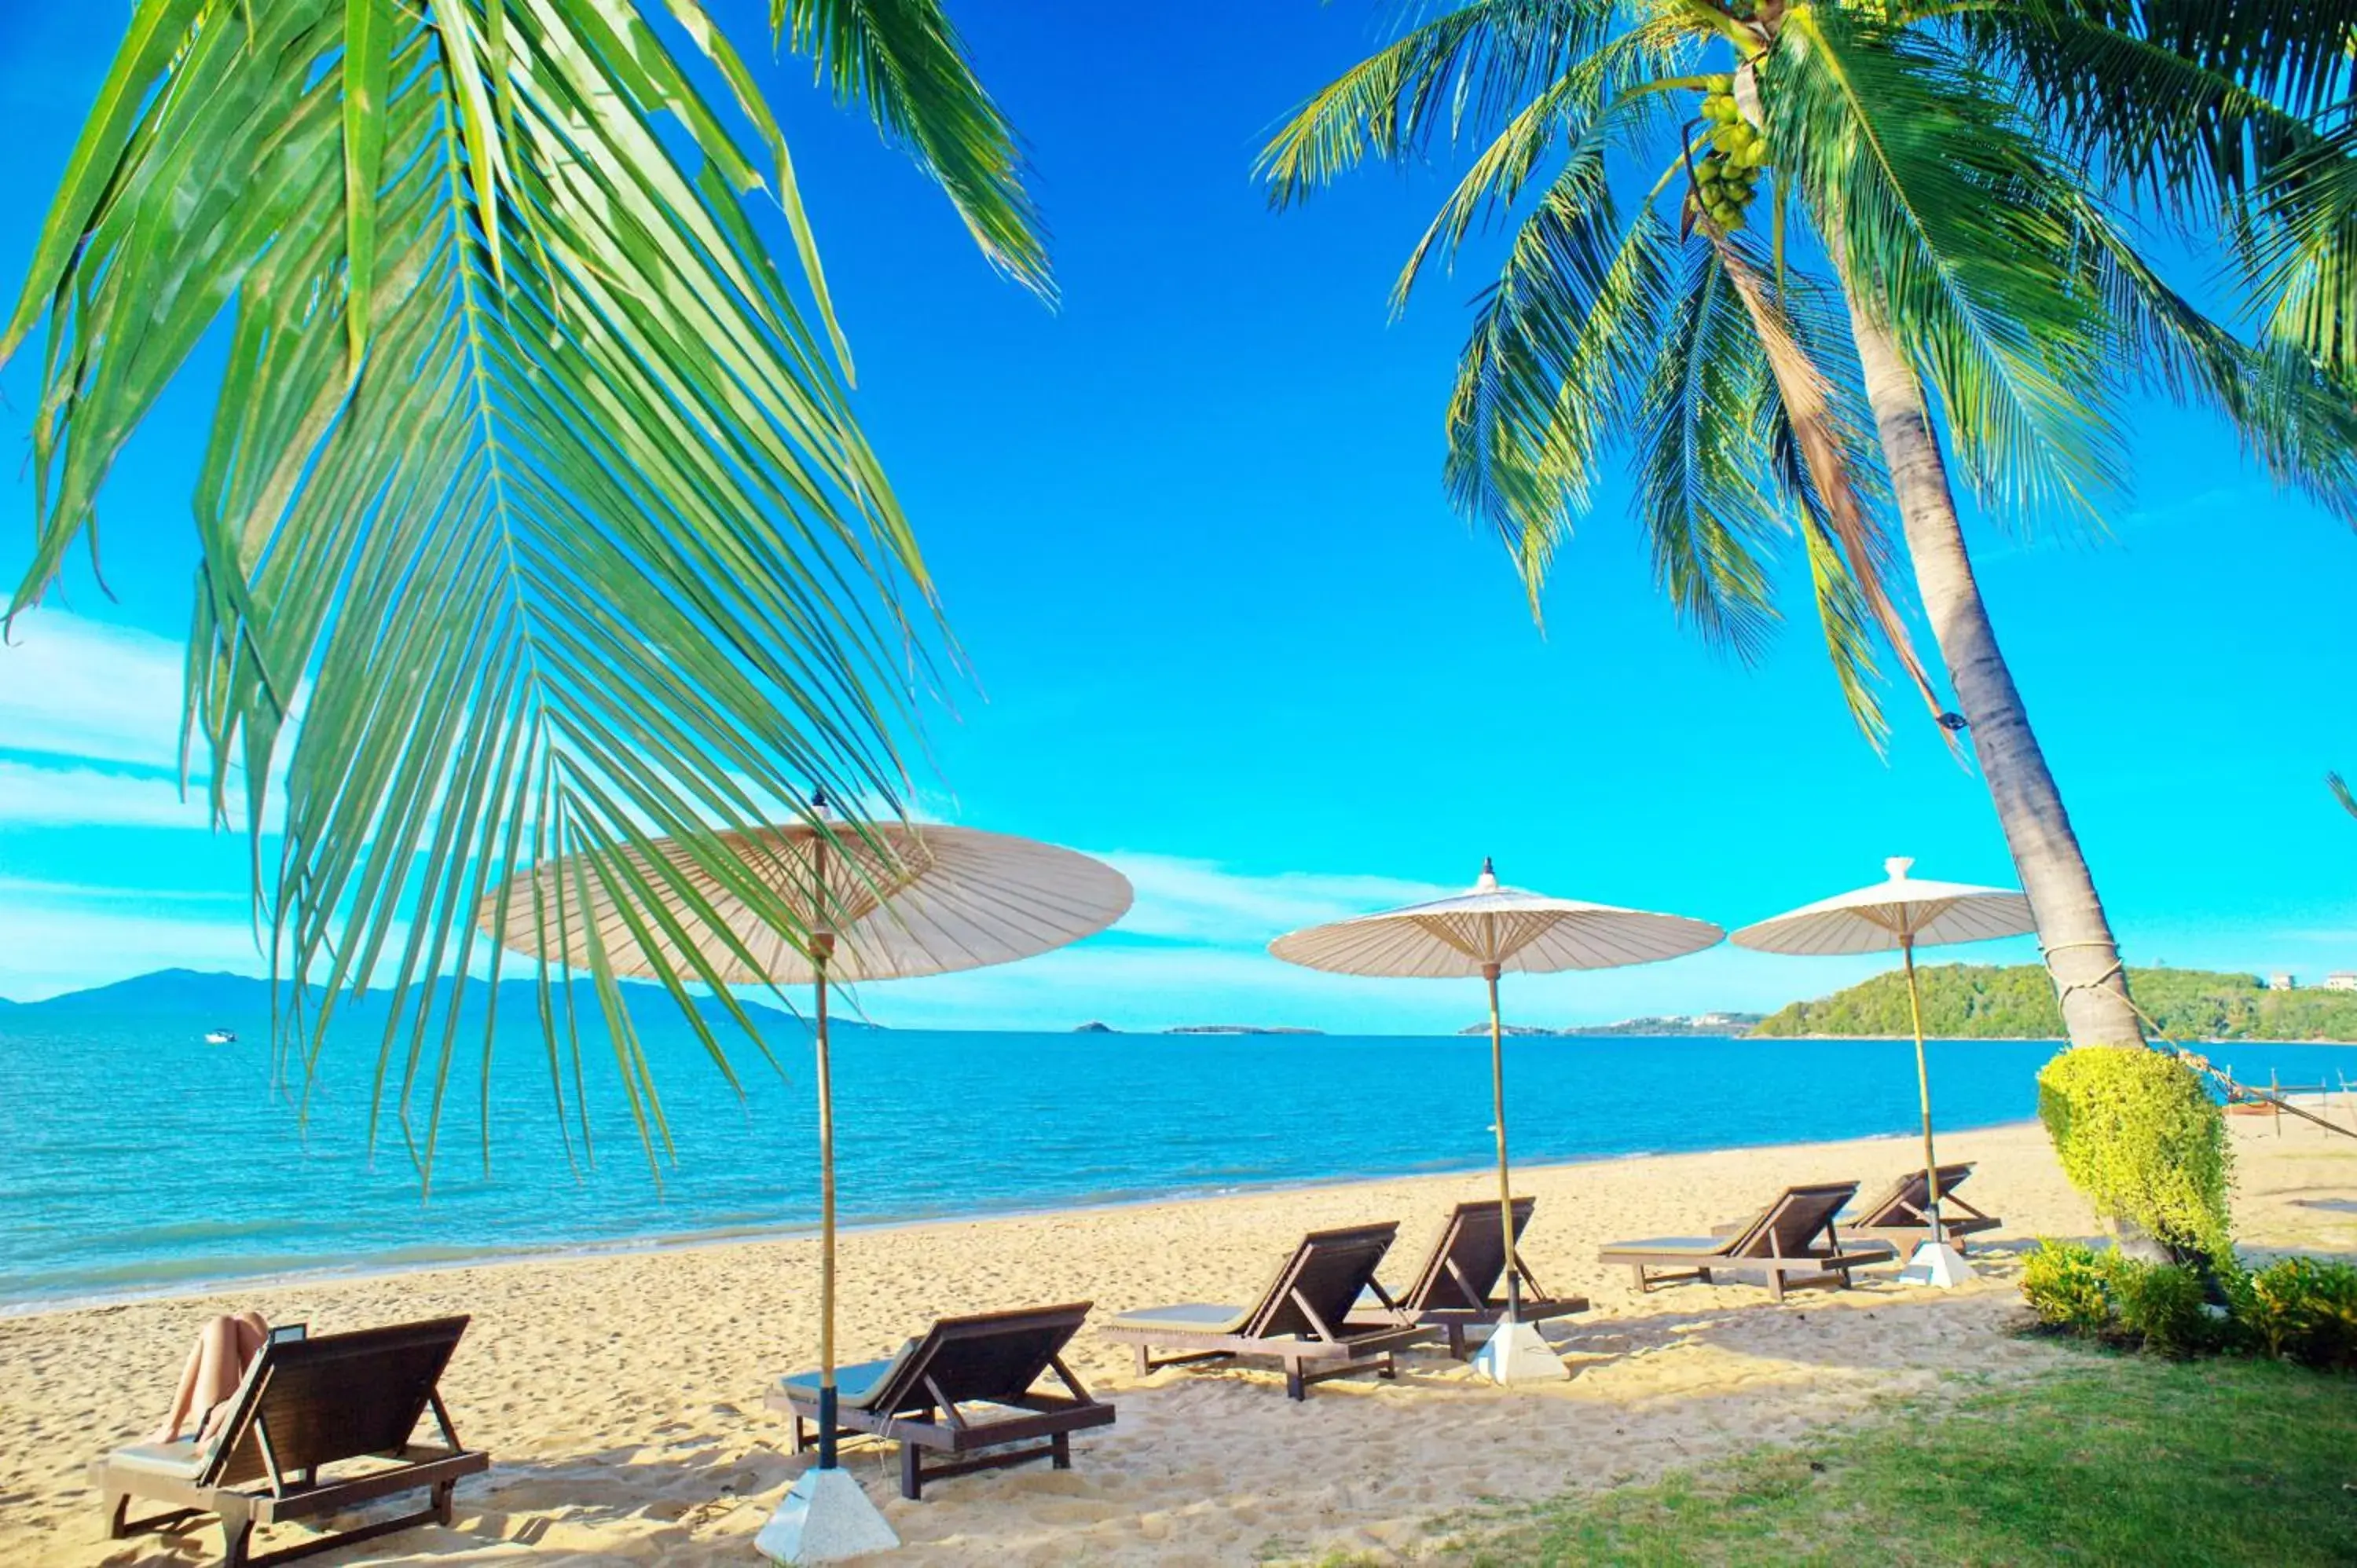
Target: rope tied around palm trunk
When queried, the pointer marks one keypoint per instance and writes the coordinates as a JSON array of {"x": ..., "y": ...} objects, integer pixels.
[{"x": 2236, "y": 1091}]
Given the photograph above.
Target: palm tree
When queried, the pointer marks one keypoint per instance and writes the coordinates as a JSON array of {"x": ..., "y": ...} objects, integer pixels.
[
  {"x": 533, "y": 483},
  {"x": 1942, "y": 270}
]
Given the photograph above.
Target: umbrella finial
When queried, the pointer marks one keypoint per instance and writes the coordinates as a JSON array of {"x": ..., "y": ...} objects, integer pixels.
[
  {"x": 1898, "y": 867},
  {"x": 1488, "y": 877}
]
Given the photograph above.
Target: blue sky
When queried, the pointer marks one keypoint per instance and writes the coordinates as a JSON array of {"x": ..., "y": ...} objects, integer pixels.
[{"x": 1226, "y": 632}]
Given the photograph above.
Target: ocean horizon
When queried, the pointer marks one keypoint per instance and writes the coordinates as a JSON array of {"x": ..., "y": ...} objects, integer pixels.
[{"x": 142, "y": 1160}]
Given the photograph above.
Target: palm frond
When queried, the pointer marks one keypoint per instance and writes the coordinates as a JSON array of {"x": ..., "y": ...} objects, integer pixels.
[
  {"x": 1478, "y": 65},
  {"x": 1937, "y": 211},
  {"x": 905, "y": 61},
  {"x": 1704, "y": 489},
  {"x": 1560, "y": 344},
  {"x": 2296, "y": 242},
  {"x": 2217, "y": 117},
  {"x": 2341, "y": 792},
  {"x": 2191, "y": 105},
  {"x": 1851, "y": 563},
  {"x": 592, "y": 551},
  {"x": 2295, "y": 419},
  {"x": 1611, "y": 93}
]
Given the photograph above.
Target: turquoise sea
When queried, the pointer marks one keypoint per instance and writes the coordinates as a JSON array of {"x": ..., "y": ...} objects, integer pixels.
[{"x": 136, "y": 1157}]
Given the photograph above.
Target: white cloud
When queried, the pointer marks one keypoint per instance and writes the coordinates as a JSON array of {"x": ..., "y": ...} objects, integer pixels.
[
  {"x": 35, "y": 796},
  {"x": 81, "y": 688},
  {"x": 19, "y": 888},
  {"x": 1200, "y": 900},
  {"x": 1202, "y": 962},
  {"x": 50, "y": 946},
  {"x": 1155, "y": 985}
]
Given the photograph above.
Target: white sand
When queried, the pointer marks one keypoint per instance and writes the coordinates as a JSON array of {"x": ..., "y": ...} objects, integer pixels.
[{"x": 620, "y": 1395}]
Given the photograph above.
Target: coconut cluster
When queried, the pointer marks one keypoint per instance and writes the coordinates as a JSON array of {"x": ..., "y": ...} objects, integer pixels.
[{"x": 1729, "y": 171}]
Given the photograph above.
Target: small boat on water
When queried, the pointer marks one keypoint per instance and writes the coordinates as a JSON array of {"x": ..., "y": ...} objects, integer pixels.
[{"x": 221, "y": 1036}]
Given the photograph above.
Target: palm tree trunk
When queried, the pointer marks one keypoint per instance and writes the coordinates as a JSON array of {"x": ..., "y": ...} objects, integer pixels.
[{"x": 2081, "y": 955}]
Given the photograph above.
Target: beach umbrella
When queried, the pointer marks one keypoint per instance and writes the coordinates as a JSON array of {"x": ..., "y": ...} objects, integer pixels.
[
  {"x": 875, "y": 900},
  {"x": 1903, "y": 913},
  {"x": 1484, "y": 931}
]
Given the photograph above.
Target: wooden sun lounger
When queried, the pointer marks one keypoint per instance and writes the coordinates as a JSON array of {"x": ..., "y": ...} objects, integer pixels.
[
  {"x": 1300, "y": 1320},
  {"x": 1462, "y": 1282},
  {"x": 304, "y": 1406},
  {"x": 1902, "y": 1216},
  {"x": 1792, "y": 1241},
  {"x": 988, "y": 1359}
]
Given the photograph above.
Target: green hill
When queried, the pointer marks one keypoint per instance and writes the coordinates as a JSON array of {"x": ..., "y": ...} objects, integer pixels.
[{"x": 1964, "y": 1001}]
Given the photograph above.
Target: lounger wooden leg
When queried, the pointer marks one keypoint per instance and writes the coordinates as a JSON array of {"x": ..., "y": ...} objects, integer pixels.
[
  {"x": 1144, "y": 1361},
  {"x": 1637, "y": 1273},
  {"x": 444, "y": 1503},
  {"x": 1704, "y": 1275},
  {"x": 118, "y": 1514},
  {"x": 1457, "y": 1341},
  {"x": 1294, "y": 1387},
  {"x": 1775, "y": 1284},
  {"x": 1060, "y": 1451},
  {"x": 912, "y": 1472},
  {"x": 237, "y": 1533},
  {"x": 1390, "y": 1368}
]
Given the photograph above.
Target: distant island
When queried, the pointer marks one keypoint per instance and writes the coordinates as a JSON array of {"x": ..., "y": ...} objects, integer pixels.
[
  {"x": 1712, "y": 1024},
  {"x": 1094, "y": 1026},
  {"x": 2015, "y": 1002},
  {"x": 1240, "y": 1029},
  {"x": 207, "y": 998}
]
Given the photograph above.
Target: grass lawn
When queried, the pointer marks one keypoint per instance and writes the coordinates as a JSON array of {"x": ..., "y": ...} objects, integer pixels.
[{"x": 2119, "y": 1459}]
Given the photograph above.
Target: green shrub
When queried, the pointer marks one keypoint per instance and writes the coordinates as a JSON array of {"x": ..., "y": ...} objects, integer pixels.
[
  {"x": 2137, "y": 1133},
  {"x": 2301, "y": 1309},
  {"x": 2332, "y": 1341},
  {"x": 2270, "y": 1306},
  {"x": 2065, "y": 1285},
  {"x": 2163, "y": 1305}
]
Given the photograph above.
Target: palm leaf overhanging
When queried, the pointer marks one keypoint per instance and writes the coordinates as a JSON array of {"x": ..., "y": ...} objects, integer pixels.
[
  {"x": 533, "y": 483},
  {"x": 1956, "y": 173}
]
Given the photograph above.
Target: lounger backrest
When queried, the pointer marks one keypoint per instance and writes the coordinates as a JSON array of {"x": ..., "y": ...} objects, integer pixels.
[
  {"x": 1328, "y": 1272},
  {"x": 989, "y": 1357},
  {"x": 1474, "y": 1242},
  {"x": 1909, "y": 1196},
  {"x": 1790, "y": 1225},
  {"x": 336, "y": 1397}
]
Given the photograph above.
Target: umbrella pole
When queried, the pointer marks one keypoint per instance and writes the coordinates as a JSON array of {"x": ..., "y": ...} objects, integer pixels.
[
  {"x": 822, "y": 949},
  {"x": 1922, "y": 1086},
  {"x": 1498, "y": 1113}
]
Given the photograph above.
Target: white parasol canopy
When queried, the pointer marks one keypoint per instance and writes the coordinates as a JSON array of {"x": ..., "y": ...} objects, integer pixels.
[
  {"x": 1902, "y": 910},
  {"x": 873, "y": 901},
  {"x": 1483, "y": 932},
  {"x": 901, "y": 901},
  {"x": 1464, "y": 935},
  {"x": 1900, "y": 914}
]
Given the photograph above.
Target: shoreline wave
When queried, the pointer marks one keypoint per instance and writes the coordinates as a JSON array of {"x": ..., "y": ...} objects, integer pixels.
[{"x": 408, "y": 1260}]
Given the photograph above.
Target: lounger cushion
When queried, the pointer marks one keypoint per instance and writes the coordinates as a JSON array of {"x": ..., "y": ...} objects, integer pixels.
[
  {"x": 1186, "y": 1317},
  {"x": 1683, "y": 1246},
  {"x": 854, "y": 1384},
  {"x": 1955, "y": 1224},
  {"x": 181, "y": 1460}
]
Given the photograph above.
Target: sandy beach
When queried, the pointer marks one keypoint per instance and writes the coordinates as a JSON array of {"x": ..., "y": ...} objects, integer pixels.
[{"x": 620, "y": 1395}]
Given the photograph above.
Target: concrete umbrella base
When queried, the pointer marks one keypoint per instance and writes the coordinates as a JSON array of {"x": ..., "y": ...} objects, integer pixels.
[
  {"x": 1937, "y": 1264},
  {"x": 825, "y": 1517},
  {"x": 1517, "y": 1352}
]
